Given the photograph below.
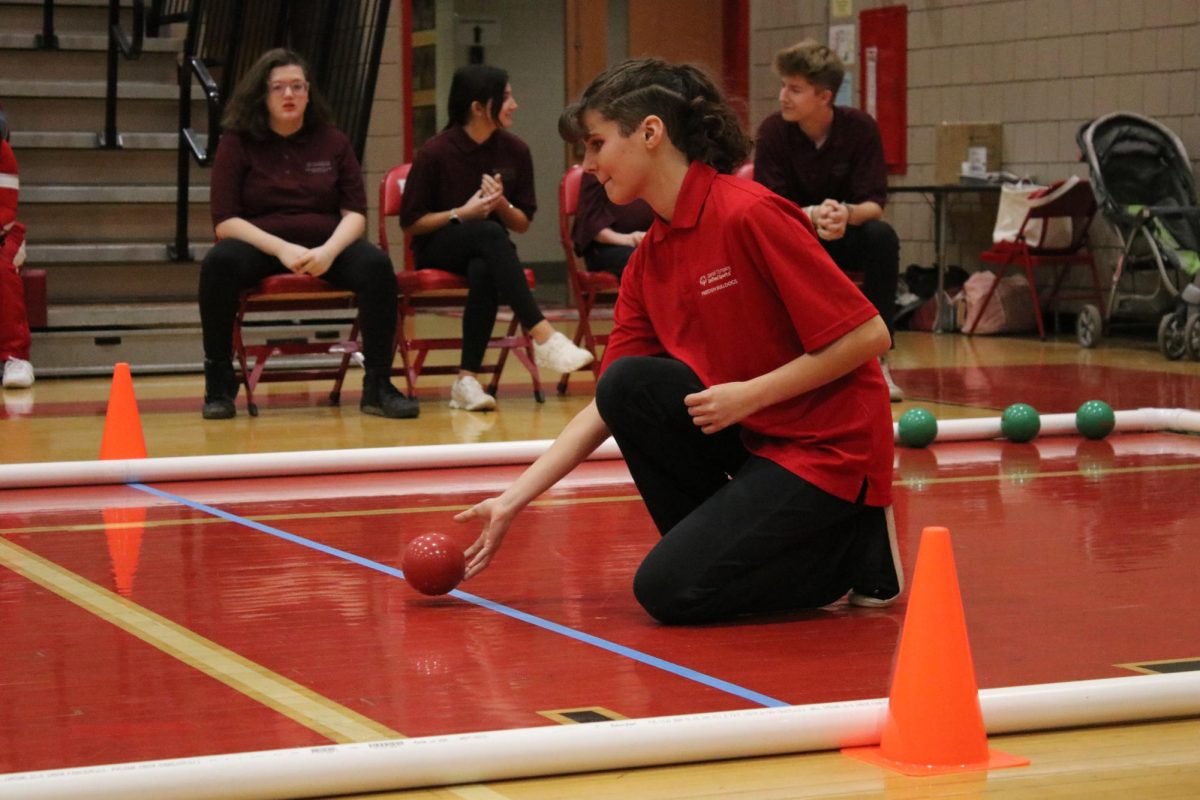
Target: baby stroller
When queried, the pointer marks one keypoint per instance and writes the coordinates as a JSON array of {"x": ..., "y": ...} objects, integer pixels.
[{"x": 1143, "y": 182}]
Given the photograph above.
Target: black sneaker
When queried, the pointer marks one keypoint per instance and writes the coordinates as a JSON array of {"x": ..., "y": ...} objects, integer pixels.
[
  {"x": 220, "y": 390},
  {"x": 879, "y": 577},
  {"x": 382, "y": 399}
]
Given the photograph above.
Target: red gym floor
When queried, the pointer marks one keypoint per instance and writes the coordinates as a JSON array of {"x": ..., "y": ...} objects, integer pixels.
[{"x": 200, "y": 618}]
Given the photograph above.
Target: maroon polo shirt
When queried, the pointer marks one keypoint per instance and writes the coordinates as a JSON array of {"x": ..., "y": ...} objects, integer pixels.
[
  {"x": 849, "y": 167},
  {"x": 293, "y": 187},
  {"x": 449, "y": 168},
  {"x": 737, "y": 285},
  {"x": 596, "y": 212}
]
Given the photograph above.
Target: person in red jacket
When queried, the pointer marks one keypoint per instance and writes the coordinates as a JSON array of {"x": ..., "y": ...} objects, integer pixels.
[
  {"x": 740, "y": 380},
  {"x": 14, "y": 321}
]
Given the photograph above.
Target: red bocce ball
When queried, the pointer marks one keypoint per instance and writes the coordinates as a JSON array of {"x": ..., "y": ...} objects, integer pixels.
[{"x": 433, "y": 563}]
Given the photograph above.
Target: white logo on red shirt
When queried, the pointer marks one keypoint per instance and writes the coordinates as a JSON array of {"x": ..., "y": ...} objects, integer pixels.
[{"x": 716, "y": 280}]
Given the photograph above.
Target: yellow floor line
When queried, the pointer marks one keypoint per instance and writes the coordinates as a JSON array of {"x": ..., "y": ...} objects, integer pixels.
[
  {"x": 365, "y": 512},
  {"x": 1102, "y": 471},
  {"x": 624, "y": 498},
  {"x": 476, "y": 792},
  {"x": 320, "y": 714}
]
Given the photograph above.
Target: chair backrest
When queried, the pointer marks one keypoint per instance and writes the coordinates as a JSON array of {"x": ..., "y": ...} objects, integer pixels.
[
  {"x": 1077, "y": 203},
  {"x": 568, "y": 206},
  {"x": 745, "y": 171},
  {"x": 391, "y": 192}
]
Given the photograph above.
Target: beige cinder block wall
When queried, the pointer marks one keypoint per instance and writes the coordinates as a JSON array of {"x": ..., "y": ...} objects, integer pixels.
[{"x": 1040, "y": 67}]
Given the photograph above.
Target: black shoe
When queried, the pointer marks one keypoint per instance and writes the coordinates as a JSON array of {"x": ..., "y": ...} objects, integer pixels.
[
  {"x": 220, "y": 390},
  {"x": 382, "y": 399},
  {"x": 879, "y": 578}
]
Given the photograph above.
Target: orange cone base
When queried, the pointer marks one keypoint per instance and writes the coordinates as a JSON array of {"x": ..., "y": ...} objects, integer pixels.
[{"x": 873, "y": 755}]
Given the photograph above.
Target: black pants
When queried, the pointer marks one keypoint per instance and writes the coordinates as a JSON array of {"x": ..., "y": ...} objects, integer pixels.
[
  {"x": 607, "y": 258},
  {"x": 481, "y": 250},
  {"x": 740, "y": 534},
  {"x": 233, "y": 266},
  {"x": 874, "y": 250}
]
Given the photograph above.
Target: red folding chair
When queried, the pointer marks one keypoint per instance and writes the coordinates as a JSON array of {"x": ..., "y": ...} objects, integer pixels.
[
  {"x": 1075, "y": 202},
  {"x": 288, "y": 292},
  {"x": 443, "y": 291},
  {"x": 589, "y": 290}
]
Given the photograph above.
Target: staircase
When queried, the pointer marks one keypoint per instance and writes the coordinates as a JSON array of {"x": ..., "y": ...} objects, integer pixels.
[{"x": 99, "y": 220}]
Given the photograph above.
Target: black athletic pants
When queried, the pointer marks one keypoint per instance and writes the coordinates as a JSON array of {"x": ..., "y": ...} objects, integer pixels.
[
  {"x": 607, "y": 258},
  {"x": 740, "y": 534},
  {"x": 481, "y": 250},
  {"x": 233, "y": 266},
  {"x": 874, "y": 250}
]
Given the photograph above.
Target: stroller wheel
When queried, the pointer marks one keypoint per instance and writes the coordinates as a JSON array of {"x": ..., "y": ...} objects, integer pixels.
[
  {"x": 1089, "y": 326},
  {"x": 1171, "y": 339},
  {"x": 1191, "y": 337}
]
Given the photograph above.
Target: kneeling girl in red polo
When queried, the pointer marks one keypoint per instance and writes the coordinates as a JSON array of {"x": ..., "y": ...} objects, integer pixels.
[{"x": 740, "y": 380}]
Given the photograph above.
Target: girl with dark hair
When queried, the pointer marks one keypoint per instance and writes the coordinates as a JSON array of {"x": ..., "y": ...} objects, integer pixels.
[
  {"x": 469, "y": 186},
  {"x": 287, "y": 195},
  {"x": 739, "y": 381}
]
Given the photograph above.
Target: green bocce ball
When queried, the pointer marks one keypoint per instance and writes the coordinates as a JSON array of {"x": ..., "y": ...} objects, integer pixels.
[
  {"x": 918, "y": 427},
  {"x": 1095, "y": 419},
  {"x": 1020, "y": 422}
]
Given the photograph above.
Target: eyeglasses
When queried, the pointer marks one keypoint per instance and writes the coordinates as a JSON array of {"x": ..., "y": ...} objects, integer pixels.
[{"x": 295, "y": 87}]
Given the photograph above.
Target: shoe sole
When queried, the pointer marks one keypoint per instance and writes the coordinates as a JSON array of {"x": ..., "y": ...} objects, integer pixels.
[
  {"x": 376, "y": 411},
  {"x": 866, "y": 601},
  {"x": 482, "y": 405},
  {"x": 585, "y": 360}
]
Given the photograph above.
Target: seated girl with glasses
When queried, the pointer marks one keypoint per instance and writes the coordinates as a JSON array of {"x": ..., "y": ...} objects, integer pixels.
[{"x": 287, "y": 196}]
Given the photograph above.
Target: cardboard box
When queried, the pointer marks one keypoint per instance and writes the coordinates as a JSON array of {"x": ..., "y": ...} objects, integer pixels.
[{"x": 953, "y": 143}]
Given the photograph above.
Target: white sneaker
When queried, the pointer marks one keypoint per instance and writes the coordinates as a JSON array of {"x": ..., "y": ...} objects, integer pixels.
[
  {"x": 18, "y": 374},
  {"x": 560, "y": 354},
  {"x": 467, "y": 394},
  {"x": 897, "y": 394}
]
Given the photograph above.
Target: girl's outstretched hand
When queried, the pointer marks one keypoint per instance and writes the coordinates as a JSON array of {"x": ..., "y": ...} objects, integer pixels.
[
  {"x": 718, "y": 407},
  {"x": 496, "y": 519}
]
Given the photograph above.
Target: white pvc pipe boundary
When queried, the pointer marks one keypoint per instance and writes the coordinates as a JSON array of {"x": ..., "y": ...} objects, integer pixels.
[
  {"x": 379, "y": 459},
  {"x": 623, "y": 744},
  {"x": 263, "y": 465}
]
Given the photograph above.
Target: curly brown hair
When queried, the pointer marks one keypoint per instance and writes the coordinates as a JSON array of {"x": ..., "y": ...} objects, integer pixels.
[
  {"x": 246, "y": 111},
  {"x": 698, "y": 118}
]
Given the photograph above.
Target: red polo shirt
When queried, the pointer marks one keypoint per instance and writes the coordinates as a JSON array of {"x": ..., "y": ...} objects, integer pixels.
[
  {"x": 737, "y": 285},
  {"x": 293, "y": 187}
]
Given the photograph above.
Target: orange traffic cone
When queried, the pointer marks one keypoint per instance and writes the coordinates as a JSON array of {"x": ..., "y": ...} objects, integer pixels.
[
  {"x": 123, "y": 529},
  {"x": 122, "y": 424},
  {"x": 934, "y": 723}
]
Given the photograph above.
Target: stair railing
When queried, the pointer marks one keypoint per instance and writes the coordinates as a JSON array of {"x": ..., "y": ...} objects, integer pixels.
[
  {"x": 120, "y": 44},
  {"x": 46, "y": 40}
]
